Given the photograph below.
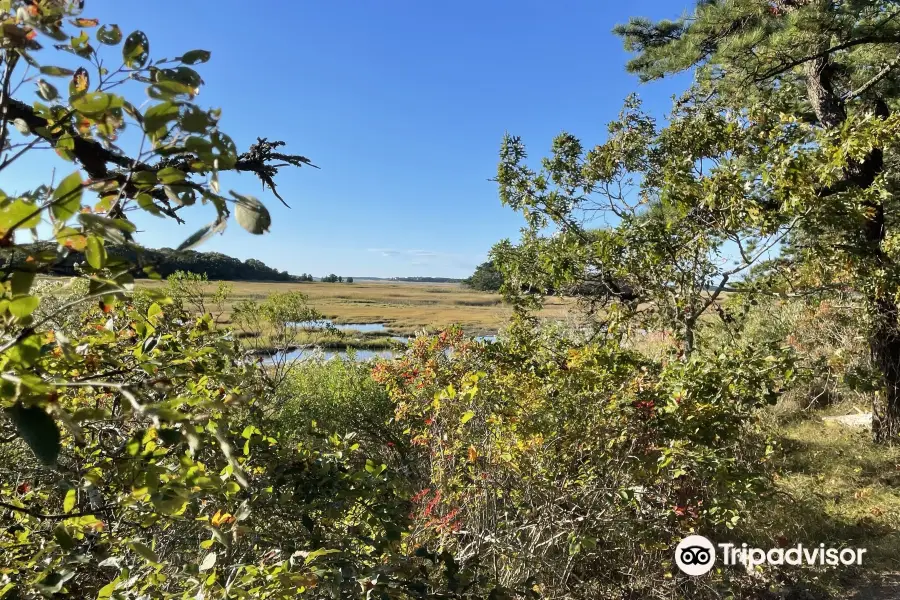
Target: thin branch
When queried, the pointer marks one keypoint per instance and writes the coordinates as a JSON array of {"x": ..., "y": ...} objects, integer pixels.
[
  {"x": 40, "y": 515},
  {"x": 94, "y": 157},
  {"x": 11, "y": 60},
  {"x": 869, "y": 39},
  {"x": 868, "y": 85}
]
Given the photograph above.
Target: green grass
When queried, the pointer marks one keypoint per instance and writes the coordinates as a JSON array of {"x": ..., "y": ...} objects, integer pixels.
[{"x": 838, "y": 488}]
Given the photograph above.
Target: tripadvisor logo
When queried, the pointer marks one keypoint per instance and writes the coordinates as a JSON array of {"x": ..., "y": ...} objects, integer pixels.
[{"x": 696, "y": 555}]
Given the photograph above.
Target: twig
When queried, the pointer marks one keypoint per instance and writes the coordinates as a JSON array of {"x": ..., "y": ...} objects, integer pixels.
[
  {"x": 40, "y": 515},
  {"x": 11, "y": 60}
]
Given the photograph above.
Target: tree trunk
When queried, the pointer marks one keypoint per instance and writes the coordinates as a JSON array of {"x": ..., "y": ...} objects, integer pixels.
[
  {"x": 885, "y": 346},
  {"x": 884, "y": 336}
]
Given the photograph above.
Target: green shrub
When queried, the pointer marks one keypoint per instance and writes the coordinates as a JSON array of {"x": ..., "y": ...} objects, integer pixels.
[
  {"x": 340, "y": 396},
  {"x": 575, "y": 469},
  {"x": 826, "y": 334}
]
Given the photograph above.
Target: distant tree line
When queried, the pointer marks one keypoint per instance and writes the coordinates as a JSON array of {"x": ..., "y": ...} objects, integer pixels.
[
  {"x": 165, "y": 261},
  {"x": 332, "y": 278},
  {"x": 427, "y": 279}
]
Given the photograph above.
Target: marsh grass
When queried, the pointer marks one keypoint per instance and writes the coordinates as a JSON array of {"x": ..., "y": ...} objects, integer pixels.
[{"x": 405, "y": 308}]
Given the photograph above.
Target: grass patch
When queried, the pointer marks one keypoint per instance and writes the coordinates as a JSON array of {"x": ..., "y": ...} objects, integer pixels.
[{"x": 838, "y": 488}]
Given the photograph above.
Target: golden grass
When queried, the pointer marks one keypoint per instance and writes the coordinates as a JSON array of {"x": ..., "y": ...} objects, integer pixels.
[{"x": 404, "y": 308}]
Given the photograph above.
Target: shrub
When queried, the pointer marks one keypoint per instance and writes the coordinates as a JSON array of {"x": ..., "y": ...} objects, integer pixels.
[
  {"x": 573, "y": 470},
  {"x": 339, "y": 396},
  {"x": 827, "y": 336}
]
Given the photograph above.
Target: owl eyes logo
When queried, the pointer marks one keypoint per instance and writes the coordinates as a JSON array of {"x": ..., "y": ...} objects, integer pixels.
[{"x": 695, "y": 555}]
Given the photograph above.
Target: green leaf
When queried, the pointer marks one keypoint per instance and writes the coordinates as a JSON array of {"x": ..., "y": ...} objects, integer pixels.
[
  {"x": 196, "y": 120},
  {"x": 109, "y": 35},
  {"x": 47, "y": 91},
  {"x": 23, "y": 306},
  {"x": 209, "y": 561},
  {"x": 95, "y": 104},
  {"x": 170, "y": 175},
  {"x": 95, "y": 252},
  {"x": 168, "y": 502},
  {"x": 144, "y": 178},
  {"x": 202, "y": 235},
  {"x": 251, "y": 214},
  {"x": 67, "y": 197},
  {"x": 156, "y": 117},
  {"x": 194, "y": 57},
  {"x": 146, "y": 203},
  {"x": 467, "y": 417},
  {"x": 103, "y": 224},
  {"x": 19, "y": 214},
  {"x": 69, "y": 501},
  {"x": 136, "y": 51},
  {"x": 65, "y": 146},
  {"x": 63, "y": 538},
  {"x": 180, "y": 194},
  {"x": 56, "y": 71},
  {"x": 144, "y": 551},
  {"x": 154, "y": 310},
  {"x": 21, "y": 282},
  {"x": 317, "y": 553},
  {"x": 31, "y": 61},
  {"x": 169, "y": 90},
  {"x": 38, "y": 430},
  {"x": 107, "y": 590}
]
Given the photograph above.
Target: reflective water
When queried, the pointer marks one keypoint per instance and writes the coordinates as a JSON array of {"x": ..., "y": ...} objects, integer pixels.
[
  {"x": 360, "y": 355},
  {"x": 308, "y": 353},
  {"x": 363, "y": 327}
]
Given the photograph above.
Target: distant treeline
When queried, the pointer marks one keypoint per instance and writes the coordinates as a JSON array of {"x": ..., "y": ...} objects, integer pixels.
[
  {"x": 165, "y": 261},
  {"x": 422, "y": 279}
]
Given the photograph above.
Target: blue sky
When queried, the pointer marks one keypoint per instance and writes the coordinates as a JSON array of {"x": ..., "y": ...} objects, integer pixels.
[{"x": 403, "y": 105}]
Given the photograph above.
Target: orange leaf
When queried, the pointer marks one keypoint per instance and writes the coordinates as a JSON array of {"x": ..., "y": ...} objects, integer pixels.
[
  {"x": 473, "y": 454},
  {"x": 221, "y": 518},
  {"x": 86, "y": 22}
]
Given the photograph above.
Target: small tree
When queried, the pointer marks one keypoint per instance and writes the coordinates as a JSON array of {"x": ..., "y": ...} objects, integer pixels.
[
  {"x": 812, "y": 88},
  {"x": 486, "y": 278},
  {"x": 665, "y": 264}
]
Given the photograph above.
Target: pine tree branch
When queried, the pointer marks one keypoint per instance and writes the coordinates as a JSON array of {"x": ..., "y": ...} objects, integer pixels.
[
  {"x": 868, "y": 39},
  {"x": 868, "y": 85}
]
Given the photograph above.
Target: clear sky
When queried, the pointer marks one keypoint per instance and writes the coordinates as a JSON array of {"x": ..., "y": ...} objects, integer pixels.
[{"x": 403, "y": 105}]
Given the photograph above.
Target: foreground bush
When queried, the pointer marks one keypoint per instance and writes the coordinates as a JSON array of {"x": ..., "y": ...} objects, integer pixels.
[
  {"x": 572, "y": 471},
  {"x": 172, "y": 480}
]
